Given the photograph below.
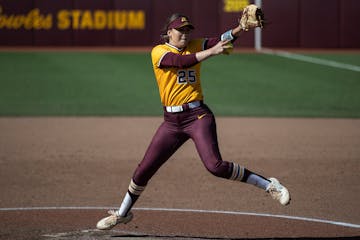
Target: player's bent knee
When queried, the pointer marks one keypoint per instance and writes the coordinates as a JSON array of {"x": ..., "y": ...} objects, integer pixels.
[{"x": 218, "y": 170}]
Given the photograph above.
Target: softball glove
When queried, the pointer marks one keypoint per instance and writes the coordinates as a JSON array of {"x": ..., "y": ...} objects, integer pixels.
[{"x": 252, "y": 16}]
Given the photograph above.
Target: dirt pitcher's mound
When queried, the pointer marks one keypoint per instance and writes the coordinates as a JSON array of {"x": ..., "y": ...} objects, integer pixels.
[
  {"x": 79, "y": 162},
  {"x": 66, "y": 224}
]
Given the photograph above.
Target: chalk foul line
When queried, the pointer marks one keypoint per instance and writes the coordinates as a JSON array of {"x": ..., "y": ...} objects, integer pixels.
[
  {"x": 344, "y": 224},
  {"x": 309, "y": 59}
]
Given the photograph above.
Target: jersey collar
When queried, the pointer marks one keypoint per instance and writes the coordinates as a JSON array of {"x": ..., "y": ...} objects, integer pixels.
[{"x": 179, "y": 49}]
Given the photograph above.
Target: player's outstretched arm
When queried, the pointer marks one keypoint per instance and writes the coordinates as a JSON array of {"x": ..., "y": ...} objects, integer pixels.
[
  {"x": 219, "y": 48},
  {"x": 183, "y": 61},
  {"x": 236, "y": 31}
]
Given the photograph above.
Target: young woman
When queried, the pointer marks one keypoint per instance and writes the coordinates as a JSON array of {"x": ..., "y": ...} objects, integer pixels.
[{"x": 176, "y": 65}]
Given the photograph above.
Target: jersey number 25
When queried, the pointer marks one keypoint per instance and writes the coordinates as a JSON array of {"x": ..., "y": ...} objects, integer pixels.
[{"x": 186, "y": 76}]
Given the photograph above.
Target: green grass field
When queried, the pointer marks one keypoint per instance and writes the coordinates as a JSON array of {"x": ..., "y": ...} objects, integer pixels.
[{"x": 123, "y": 84}]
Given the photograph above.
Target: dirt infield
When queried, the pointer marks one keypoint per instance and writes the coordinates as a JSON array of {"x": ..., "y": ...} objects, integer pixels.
[{"x": 59, "y": 175}]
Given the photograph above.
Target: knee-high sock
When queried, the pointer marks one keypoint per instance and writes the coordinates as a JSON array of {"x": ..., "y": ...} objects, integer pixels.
[
  {"x": 130, "y": 198},
  {"x": 240, "y": 173}
]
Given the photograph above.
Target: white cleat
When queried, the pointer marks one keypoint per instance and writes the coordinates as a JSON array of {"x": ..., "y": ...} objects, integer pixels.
[
  {"x": 112, "y": 220},
  {"x": 278, "y": 191}
]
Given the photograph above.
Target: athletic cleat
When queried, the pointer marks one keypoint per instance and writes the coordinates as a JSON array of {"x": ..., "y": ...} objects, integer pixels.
[
  {"x": 112, "y": 220},
  {"x": 278, "y": 191}
]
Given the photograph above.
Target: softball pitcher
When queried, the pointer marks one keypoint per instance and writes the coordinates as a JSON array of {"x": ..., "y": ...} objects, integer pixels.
[{"x": 176, "y": 65}]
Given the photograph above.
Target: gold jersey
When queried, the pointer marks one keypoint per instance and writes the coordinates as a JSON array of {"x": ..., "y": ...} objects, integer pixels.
[{"x": 177, "y": 85}]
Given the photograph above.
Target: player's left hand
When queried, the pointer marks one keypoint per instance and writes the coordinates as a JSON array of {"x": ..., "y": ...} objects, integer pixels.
[{"x": 252, "y": 16}]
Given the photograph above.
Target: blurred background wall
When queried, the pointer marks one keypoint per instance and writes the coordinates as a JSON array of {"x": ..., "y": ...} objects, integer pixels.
[{"x": 291, "y": 23}]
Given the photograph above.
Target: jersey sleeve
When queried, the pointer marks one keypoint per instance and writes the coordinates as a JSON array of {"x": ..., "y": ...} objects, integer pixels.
[
  {"x": 157, "y": 54},
  {"x": 176, "y": 60},
  {"x": 210, "y": 42}
]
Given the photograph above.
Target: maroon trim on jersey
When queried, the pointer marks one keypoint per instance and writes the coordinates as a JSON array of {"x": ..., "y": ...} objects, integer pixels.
[{"x": 179, "y": 61}]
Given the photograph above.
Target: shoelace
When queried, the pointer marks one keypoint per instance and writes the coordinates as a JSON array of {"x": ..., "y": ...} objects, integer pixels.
[
  {"x": 113, "y": 212},
  {"x": 275, "y": 191}
]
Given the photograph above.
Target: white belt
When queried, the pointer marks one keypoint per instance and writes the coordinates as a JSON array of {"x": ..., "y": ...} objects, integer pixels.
[{"x": 181, "y": 108}]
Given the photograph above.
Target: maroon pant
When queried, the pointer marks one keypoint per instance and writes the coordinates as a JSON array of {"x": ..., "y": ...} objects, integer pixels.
[{"x": 199, "y": 125}]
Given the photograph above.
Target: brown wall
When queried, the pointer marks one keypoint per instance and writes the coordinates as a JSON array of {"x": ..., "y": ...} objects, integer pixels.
[{"x": 292, "y": 23}]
